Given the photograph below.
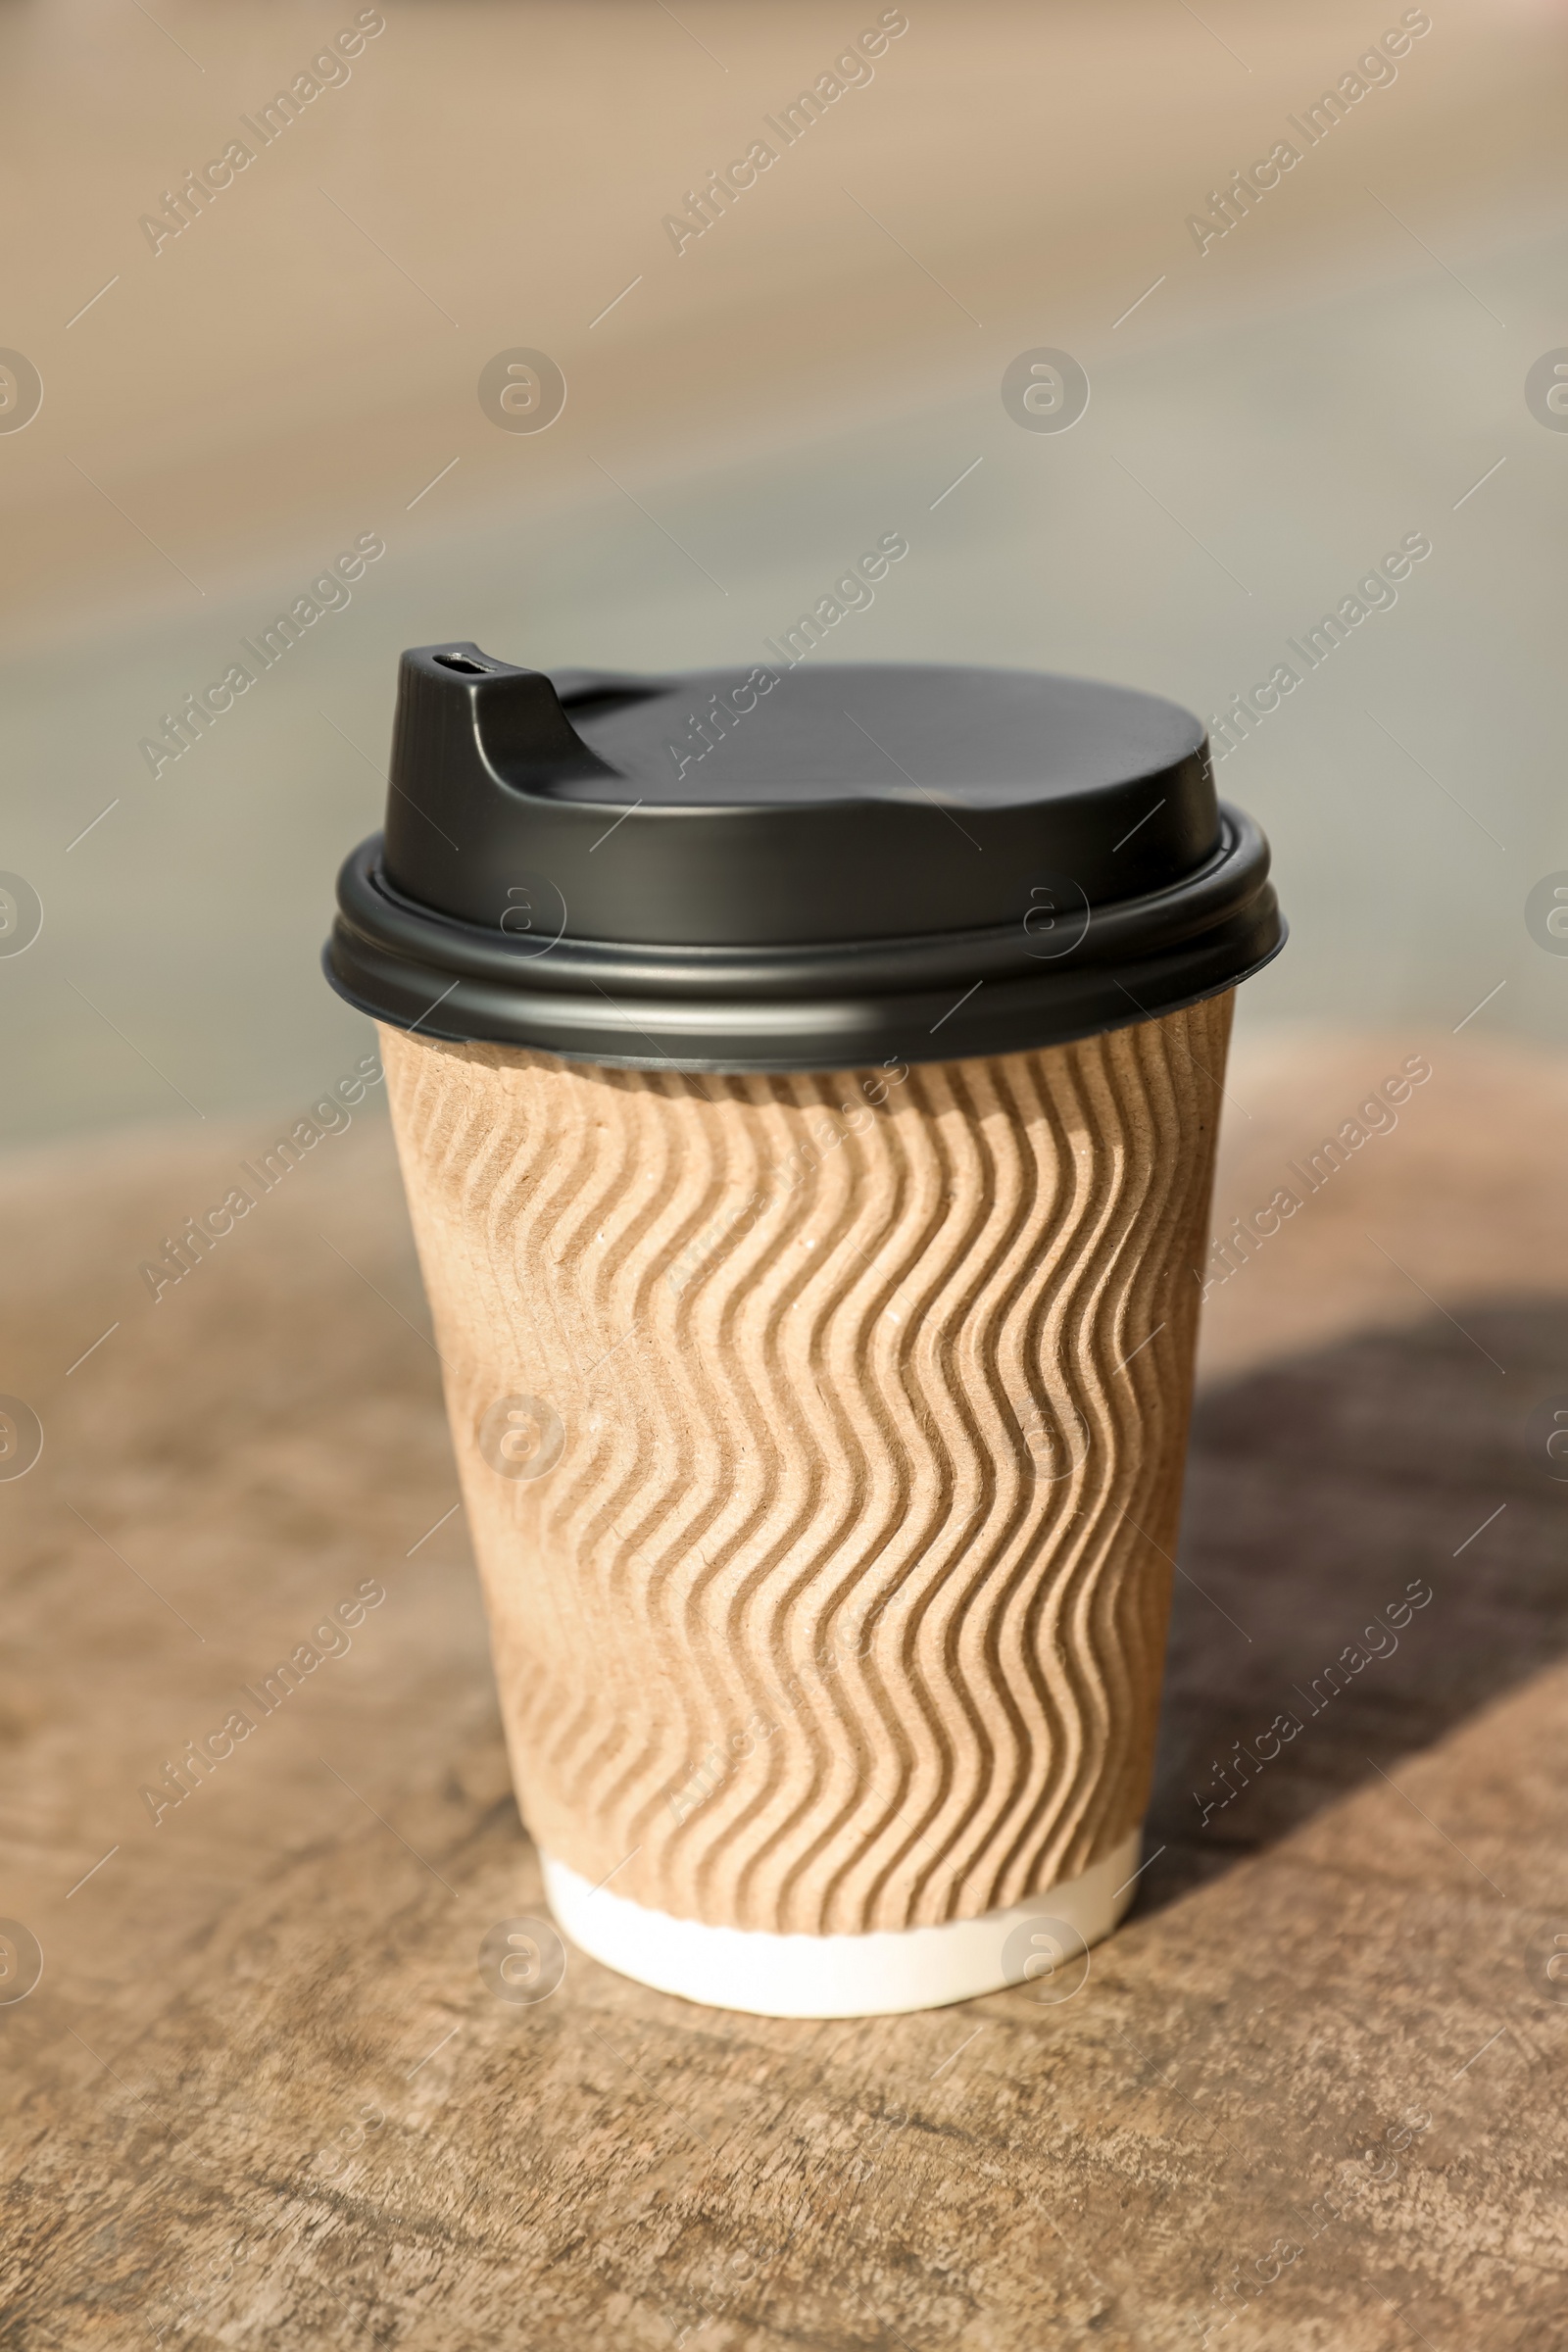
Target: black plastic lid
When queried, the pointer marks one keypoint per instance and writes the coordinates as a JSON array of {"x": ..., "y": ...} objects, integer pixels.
[{"x": 810, "y": 868}]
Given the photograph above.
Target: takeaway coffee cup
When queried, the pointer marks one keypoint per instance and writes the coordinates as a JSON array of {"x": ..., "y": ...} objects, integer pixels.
[{"x": 806, "y": 1085}]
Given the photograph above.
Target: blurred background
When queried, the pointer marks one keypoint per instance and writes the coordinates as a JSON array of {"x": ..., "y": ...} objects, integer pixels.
[
  {"x": 229, "y": 404},
  {"x": 211, "y": 392}
]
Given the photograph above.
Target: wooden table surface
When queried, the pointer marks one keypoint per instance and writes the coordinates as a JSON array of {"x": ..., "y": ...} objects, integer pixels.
[{"x": 263, "y": 2092}]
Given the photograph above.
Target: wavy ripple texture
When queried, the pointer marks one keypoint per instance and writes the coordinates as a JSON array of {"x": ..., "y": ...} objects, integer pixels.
[{"x": 844, "y": 1605}]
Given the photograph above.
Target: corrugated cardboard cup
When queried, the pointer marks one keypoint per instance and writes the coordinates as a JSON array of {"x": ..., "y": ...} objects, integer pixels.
[{"x": 809, "y": 1142}]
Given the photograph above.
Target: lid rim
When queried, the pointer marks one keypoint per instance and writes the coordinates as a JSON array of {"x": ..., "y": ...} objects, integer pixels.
[
  {"x": 1018, "y": 1012},
  {"x": 385, "y": 920}
]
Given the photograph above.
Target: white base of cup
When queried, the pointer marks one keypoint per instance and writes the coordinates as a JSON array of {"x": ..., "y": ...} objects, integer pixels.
[{"x": 876, "y": 1974}]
